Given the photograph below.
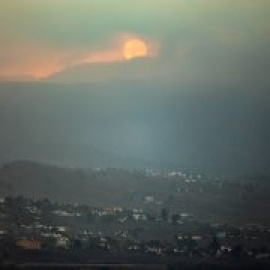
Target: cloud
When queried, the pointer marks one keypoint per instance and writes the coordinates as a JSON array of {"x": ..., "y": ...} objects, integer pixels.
[
  {"x": 29, "y": 61},
  {"x": 191, "y": 37},
  {"x": 35, "y": 61}
]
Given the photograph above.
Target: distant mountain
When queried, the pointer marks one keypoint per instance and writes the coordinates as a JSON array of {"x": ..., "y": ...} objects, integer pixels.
[{"x": 69, "y": 155}]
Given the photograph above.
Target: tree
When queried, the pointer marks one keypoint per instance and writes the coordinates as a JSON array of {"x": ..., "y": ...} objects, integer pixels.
[
  {"x": 77, "y": 244},
  {"x": 215, "y": 244},
  {"x": 164, "y": 214},
  {"x": 237, "y": 251},
  {"x": 175, "y": 218}
]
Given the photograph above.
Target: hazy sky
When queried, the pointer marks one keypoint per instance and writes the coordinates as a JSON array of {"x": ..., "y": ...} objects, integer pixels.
[
  {"x": 192, "y": 89},
  {"x": 187, "y": 40}
]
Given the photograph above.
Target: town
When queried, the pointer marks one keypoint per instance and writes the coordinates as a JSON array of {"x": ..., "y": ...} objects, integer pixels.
[{"x": 85, "y": 234}]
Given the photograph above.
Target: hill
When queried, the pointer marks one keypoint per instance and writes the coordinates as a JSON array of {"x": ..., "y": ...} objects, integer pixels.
[{"x": 238, "y": 200}]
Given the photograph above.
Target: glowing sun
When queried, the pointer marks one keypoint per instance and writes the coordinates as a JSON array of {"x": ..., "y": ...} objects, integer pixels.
[{"x": 135, "y": 48}]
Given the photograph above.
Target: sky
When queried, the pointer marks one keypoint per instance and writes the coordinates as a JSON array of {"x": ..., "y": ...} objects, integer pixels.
[
  {"x": 136, "y": 82},
  {"x": 84, "y": 40}
]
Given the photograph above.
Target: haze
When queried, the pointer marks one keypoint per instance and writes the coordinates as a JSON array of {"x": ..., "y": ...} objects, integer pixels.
[{"x": 196, "y": 96}]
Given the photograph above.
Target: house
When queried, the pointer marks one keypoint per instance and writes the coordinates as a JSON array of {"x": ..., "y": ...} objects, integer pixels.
[
  {"x": 196, "y": 237},
  {"x": 61, "y": 229},
  {"x": 62, "y": 213},
  {"x": 138, "y": 217},
  {"x": 155, "y": 250},
  {"x": 114, "y": 209},
  {"x": 28, "y": 244},
  {"x": 121, "y": 233},
  {"x": 122, "y": 220},
  {"x": 149, "y": 199},
  {"x": 62, "y": 242},
  {"x": 185, "y": 215}
]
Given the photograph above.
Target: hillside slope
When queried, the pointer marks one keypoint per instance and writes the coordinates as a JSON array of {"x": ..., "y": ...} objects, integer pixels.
[{"x": 231, "y": 200}]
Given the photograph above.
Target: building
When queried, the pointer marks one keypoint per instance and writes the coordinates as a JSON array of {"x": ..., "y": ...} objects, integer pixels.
[
  {"x": 28, "y": 244},
  {"x": 62, "y": 242}
]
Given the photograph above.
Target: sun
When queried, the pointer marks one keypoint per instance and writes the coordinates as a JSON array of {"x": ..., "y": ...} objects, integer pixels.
[{"x": 134, "y": 48}]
